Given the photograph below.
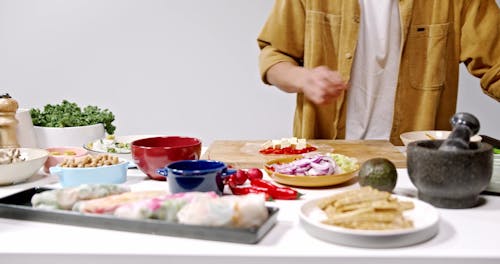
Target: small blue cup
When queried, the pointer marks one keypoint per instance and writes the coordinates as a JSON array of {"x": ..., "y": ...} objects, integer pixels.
[{"x": 196, "y": 176}]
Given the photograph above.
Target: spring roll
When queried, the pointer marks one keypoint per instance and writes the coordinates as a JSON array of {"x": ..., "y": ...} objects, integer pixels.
[
  {"x": 65, "y": 198},
  {"x": 240, "y": 211},
  {"x": 162, "y": 208},
  {"x": 108, "y": 205}
]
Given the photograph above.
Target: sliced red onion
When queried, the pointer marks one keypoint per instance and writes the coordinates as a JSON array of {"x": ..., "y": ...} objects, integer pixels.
[{"x": 311, "y": 165}]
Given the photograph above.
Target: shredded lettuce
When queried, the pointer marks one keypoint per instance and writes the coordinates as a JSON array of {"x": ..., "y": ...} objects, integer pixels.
[{"x": 344, "y": 162}]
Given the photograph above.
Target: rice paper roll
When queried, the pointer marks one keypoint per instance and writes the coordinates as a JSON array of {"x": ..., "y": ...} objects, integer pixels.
[
  {"x": 242, "y": 211},
  {"x": 250, "y": 210},
  {"x": 65, "y": 198},
  {"x": 216, "y": 212},
  {"x": 109, "y": 204},
  {"x": 162, "y": 208}
]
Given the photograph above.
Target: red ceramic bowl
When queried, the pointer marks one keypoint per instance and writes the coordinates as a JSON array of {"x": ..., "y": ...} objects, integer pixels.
[{"x": 153, "y": 153}]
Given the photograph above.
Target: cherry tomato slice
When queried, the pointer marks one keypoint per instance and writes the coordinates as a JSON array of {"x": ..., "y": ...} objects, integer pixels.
[{"x": 287, "y": 150}]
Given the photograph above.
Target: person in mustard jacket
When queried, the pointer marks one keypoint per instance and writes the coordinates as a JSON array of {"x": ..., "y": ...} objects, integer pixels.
[{"x": 365, "y": 69}]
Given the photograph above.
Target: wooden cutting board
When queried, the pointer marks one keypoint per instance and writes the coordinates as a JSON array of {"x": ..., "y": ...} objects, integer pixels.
[{"x": 245, "y": 154}]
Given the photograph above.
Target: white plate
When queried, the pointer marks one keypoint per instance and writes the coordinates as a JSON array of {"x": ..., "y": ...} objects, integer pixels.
[{"x": 424, "y": 216}]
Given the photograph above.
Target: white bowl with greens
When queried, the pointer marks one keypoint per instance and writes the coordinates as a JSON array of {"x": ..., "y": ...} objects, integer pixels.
[
  {"x": 66, "y": 124},
  {"x": 48, "y": 137},
  {"x": 114, "y": 145}
]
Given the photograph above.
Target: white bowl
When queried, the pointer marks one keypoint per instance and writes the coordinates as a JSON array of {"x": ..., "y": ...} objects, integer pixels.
[
  {"x": 122, "y": 139},
  {"x": 22, "y": 170},
  {"x": 409, "y": 137},
  {"x": 47, "y": 137}
]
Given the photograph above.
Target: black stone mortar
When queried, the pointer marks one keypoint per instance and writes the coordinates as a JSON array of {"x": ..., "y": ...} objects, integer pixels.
[{"x": 449, "y": 179}]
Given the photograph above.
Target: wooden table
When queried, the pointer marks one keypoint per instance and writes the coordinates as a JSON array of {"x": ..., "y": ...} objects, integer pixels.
[{"x": 245, "y": 154}]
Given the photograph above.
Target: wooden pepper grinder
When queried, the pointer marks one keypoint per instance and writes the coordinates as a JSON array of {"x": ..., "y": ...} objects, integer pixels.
[{"x": 8, "y": 122}]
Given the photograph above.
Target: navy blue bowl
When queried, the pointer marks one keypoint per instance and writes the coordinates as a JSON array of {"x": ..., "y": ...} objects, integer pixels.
[{"x": 196, "y": 176}]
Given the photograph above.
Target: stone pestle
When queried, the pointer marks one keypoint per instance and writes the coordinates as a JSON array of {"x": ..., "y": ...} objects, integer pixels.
[{"x": 465, "y": 125}]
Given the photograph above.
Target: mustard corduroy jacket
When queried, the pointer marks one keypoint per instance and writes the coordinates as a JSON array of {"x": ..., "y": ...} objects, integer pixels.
[{"x": 436, "y": 36}]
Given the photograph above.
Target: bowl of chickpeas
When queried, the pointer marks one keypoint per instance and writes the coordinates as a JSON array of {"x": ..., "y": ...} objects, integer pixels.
[{"x": 100, "y": 169}]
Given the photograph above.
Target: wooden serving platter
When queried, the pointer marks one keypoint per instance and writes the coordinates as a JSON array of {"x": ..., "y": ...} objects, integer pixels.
[{"x": 245, "y": 154}]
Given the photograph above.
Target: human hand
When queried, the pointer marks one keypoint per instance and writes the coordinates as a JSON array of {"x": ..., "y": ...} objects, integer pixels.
[{"x": 322, "y": 85}]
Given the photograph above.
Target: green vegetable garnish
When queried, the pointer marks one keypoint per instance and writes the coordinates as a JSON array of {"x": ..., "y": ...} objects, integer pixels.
[
  {"x": 68, "y": 114},
  {"x": 111, "y": 150},
  {"x": 344, "y": 162},
  {"x": 496, "y": 150}
]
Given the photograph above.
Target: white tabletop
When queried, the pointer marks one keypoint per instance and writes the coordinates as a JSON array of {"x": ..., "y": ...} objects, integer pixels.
[{"x": 465, "y": 236}]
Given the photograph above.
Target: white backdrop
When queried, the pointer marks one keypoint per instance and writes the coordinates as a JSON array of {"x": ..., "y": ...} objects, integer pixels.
[{"x": 162, "y": 67}]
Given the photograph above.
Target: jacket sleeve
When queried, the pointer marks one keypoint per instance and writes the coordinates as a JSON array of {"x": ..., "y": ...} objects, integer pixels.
[
  {"x": 480, "y": 44},
  {"x": 282, "y": 37}
]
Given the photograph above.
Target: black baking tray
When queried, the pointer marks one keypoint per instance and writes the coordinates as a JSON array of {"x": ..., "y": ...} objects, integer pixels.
[{"x": 18, "y": 206}]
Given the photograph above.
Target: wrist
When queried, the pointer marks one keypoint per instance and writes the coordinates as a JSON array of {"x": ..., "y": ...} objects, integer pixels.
[{"x": 299, "y": 77}]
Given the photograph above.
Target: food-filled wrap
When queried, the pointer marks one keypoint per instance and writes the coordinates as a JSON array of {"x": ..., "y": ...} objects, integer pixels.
[
  {"x": 235, "y": 211},
  {"x": 108, "y": 205},
  {"x": 163, "y": 207},
  {"x": 65, "y": 198}
]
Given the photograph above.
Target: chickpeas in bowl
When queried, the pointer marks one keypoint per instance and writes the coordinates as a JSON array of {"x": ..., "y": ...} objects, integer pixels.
[
  {"x": 90, "y": 161},
  {"x": 100, "y": 169}
]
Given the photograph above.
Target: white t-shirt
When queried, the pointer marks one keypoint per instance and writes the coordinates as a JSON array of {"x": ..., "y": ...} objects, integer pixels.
[{"x": 370, "y": 99}]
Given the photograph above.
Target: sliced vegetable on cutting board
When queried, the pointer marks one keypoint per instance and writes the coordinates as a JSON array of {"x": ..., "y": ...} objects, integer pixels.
[{"x": 286, "y": 146}]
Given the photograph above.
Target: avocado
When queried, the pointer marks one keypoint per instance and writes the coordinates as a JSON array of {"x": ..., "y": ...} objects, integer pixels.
[{"x": 379, "y": 173}]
